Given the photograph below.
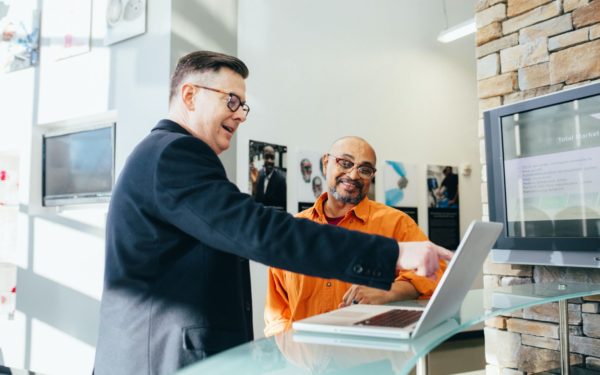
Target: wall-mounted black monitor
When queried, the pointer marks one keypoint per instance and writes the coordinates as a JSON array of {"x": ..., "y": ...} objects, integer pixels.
[
  {"x": 543, "y": 169},
  {"x": 78, "y": 166}
]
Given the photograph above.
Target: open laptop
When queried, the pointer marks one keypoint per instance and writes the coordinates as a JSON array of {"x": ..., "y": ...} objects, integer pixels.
[
  {"x": 407, "y": 322},
  {"x": 377, "y": 343}
]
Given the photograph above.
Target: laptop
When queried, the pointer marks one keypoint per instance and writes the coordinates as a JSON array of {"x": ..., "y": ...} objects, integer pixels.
[
  {"x": 377, "y": 343},
  {"x": 402, "y": 322}
]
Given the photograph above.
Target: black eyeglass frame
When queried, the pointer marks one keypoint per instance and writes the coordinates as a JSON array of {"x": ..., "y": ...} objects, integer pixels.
[
  {"x": 348, "y": 169},
  {"x": 230, "y": 104}
]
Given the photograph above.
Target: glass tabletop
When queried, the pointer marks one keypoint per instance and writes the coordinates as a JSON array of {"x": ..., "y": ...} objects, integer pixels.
[{"x": 297, "y": 352}]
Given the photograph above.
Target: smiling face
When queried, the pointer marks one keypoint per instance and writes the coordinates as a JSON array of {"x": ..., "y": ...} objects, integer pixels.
[
  {"x": 306, "y": 169},
  {"x": 347, "y": 186},
  {"x": 268, "y": 159},
  {"x": 209, "y": 118}
]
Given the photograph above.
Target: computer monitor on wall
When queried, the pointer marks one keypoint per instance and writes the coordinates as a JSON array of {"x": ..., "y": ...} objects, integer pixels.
[
  {"x": 78, "y": 165},
  {"x": 543, "y": 168}
]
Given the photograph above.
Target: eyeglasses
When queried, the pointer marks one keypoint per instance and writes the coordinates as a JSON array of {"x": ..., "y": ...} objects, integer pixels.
[
  {"x": 233, "y": 103},
  {"x": 364, "y": 171}
]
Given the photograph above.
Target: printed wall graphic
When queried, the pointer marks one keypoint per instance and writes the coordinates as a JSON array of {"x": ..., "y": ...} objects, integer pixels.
[
  {"x": 124, "y": 19},
  {"x": 442, "y": 183},
  {"x": 443, "y": 202},
  {"x": 67, "y": 27},
  {"x": 19, "y": 34},
  {"x": 311, "y": 181},
  {"x": 399, "y": 184},
  {"x": 371, "y": 192},
  {"x": 267, "y": 174},
  {"x": 400, "y": 187},
  {"x": 8, "y": 289}
]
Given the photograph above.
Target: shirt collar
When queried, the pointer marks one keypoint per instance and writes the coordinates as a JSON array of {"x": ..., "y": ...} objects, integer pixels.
[
  {"x": 360, "y": 211},
  {"x": 171, "y": 126}
]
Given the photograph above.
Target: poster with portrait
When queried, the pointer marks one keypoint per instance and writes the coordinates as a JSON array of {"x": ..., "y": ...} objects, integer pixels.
[
  {"x": 311, "y": 180},
  {"x": 371, "y": 192},
  {"x": 400, "y": 187},
  {"x": 19, "y": 34},
  {"x": 67, "y": 26},
  {"x": 267, "y": 174},
  {"x": 124, "y": 19},
  {"x": 443, "y": 205}
]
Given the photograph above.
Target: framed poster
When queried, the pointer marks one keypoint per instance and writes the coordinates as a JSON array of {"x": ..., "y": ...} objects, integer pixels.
[
  {"x": 68, "y": 27},
  {"x": 399, "y": 184},
  {"x": 311, "y": 177},
  {"x": 19, "y": 35},
  {"x": 124, "y": 19},
  {"x": 443, "y": 212},
  {"x": 400, "y": 188},
  {"x": 268, "y": 174}
]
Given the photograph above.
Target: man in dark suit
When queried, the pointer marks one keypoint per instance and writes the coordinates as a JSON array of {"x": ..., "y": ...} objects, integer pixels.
[
  {"x": 178, "y": 235},
  {"x": 270, "y": 185}
]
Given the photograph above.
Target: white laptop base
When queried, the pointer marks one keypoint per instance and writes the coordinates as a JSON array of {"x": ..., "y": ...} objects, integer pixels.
[
  {"x": 444, "y": 304},
  {"x": 343, "y": 321}
]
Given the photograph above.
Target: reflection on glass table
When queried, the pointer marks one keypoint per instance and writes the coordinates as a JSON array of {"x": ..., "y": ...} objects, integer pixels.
[
  {"x": 322, "y": 353},
  {"x": 314, "y": 353}
]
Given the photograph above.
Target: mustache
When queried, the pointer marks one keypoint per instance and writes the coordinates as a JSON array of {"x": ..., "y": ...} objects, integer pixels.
[{"x": 357, "y": 183}]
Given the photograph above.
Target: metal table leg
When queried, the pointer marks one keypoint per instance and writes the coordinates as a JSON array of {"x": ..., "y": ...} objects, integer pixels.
[
  {"x": 563, "y": 332},
  {"x": 422, "y": 365}
]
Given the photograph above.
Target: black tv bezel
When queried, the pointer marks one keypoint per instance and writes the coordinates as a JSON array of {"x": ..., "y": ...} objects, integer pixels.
[
  {"x": 495, "y": 173},
  {"x": 83, "y": 198}
]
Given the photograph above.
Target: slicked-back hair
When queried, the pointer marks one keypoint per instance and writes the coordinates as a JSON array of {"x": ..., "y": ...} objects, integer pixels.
[{"x": 202, "y": 61}]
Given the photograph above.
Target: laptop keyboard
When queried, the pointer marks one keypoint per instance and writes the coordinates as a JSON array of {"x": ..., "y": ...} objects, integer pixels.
[{"x": 392, "y": 318}]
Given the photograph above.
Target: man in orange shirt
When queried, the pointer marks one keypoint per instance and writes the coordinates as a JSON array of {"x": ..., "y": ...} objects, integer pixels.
[{"x": 350, "y": 167}]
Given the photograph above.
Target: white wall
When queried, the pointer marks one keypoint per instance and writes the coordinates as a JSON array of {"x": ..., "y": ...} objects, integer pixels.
[
  {"x": 208, "y": 25},
  {"x": 324, "y": 69}
]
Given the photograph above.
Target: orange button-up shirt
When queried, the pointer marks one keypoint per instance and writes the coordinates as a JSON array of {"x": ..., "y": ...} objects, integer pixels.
[{"x": 292, "y": 296}]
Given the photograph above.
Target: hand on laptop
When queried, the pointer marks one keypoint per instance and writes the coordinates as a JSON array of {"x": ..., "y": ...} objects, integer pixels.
[
  {"x": 365, "y": 295},
  {"x": 401, "y": 290},
  {"x": 423, "y": 257}
]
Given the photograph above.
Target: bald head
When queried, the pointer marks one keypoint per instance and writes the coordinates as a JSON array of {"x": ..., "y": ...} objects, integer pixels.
[{"x": 355, "y": 146}]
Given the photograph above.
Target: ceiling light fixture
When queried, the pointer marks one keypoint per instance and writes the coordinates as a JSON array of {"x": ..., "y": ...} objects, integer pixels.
[
  {"x": 450, "y": 34},
  {"x": 458, "y": 31}
]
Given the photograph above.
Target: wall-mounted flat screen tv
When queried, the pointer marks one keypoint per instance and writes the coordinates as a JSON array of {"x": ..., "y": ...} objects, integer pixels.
[
  {"x": 543, "y": 163},
  {"x": 78, "y": 166}
]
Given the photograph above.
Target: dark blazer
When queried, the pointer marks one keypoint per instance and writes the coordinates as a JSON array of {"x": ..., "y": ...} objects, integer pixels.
[
  {"x": 276, "y": 195},
  {"x": 177, "y": 238}
]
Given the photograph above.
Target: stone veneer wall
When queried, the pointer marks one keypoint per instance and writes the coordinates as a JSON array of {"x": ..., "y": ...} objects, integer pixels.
[{"x": 527, "y": 48}]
